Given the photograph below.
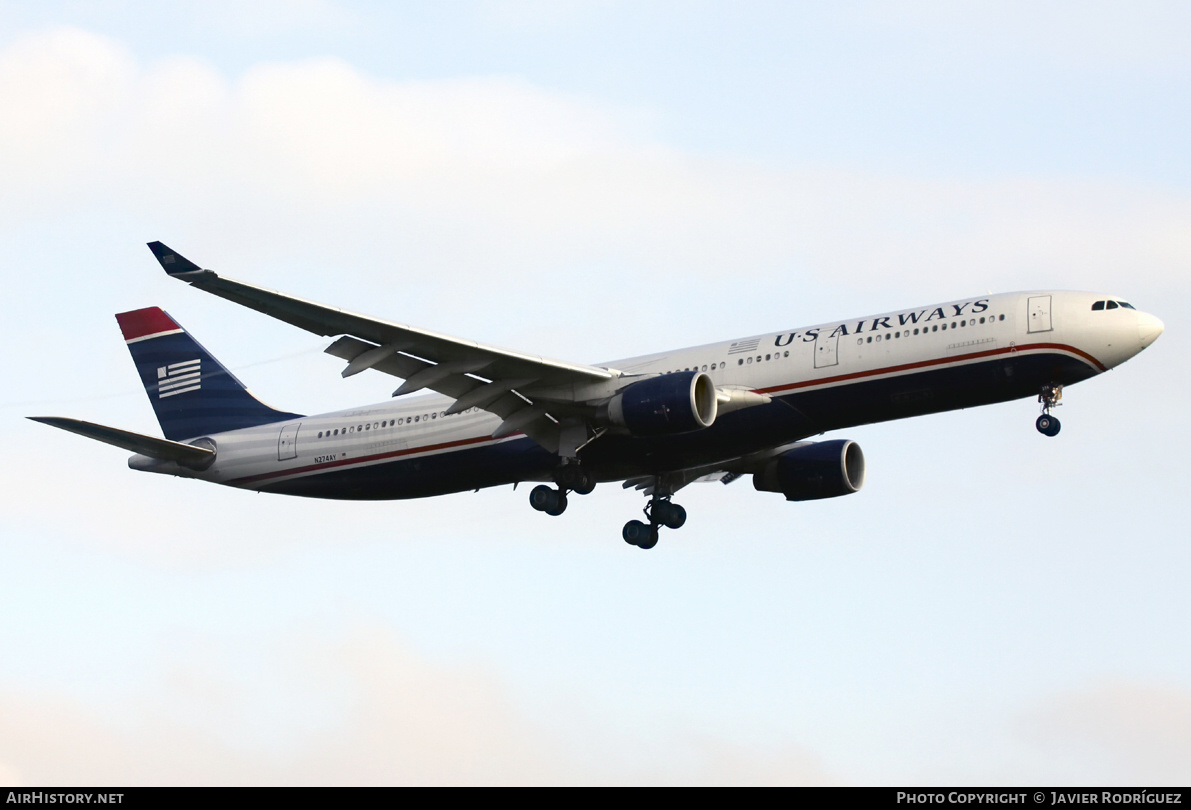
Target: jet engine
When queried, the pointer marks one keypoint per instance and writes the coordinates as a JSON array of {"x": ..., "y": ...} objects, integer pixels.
[
  {"x": 660, "y": 406},
  {"x": 814, "y": 470}
]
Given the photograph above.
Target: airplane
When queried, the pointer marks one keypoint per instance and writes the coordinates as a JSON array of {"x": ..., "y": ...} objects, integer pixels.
[{"x": 655, "y": 423}]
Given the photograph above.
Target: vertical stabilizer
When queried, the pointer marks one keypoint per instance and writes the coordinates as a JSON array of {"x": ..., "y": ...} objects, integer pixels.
[{"x": 191, "y": 392}]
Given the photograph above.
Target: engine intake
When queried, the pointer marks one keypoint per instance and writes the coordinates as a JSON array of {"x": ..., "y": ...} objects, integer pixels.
[
  {"x": 673, "y": 403},
  {"x": 814, "y": 470}
]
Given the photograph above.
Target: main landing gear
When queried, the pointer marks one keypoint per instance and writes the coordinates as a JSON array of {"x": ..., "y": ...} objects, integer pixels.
[
  {"x": 661, "y": 512},
  {"x": 570, "y": 477},
  {"x": 1049, "y": 396}
]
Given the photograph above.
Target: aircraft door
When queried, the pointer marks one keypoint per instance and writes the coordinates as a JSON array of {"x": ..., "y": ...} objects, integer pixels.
[
  {"x": 826, "y": 350},
  {"x": 1040, "y": 314},
  {"x": 287, "y": 442}
]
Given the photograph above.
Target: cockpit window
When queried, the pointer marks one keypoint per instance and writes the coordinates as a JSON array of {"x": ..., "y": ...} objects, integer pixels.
[
  {"x": 1126, "y": 304},
  {"x": 1096, "y": 307},
  {"x": 1111, "y": 305}
]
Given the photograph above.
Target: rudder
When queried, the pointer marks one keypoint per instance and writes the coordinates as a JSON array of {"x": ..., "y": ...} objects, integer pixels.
[{"x": 192, "y": 393}]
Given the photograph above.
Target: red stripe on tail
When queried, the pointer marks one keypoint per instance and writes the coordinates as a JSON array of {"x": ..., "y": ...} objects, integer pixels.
[{"x": 142, "y": 322}]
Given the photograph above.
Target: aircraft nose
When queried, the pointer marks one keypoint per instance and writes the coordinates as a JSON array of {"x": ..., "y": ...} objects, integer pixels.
[{"x": 1148, "y": 328}]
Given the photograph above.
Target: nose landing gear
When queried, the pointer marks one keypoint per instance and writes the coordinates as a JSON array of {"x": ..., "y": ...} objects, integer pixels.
[{"x": 1049, "y": 397}]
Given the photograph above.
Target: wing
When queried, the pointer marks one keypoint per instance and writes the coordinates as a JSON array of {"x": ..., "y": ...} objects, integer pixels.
[{"x": 530, "y": 393}]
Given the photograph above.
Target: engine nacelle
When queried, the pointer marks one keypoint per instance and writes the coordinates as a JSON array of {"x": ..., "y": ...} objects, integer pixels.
[
  {"x": 814, "y": 470},
  {"x": 660, "y": 406}
]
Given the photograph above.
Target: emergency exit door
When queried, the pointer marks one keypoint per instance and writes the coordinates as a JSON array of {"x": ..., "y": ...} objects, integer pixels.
[
  {"x": 826, "y": 350},
  {"x": 1039, "y": 306},
  {"x": 287, "y": 442}
]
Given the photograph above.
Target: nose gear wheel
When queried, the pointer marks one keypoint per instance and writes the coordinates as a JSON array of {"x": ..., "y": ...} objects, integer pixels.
[{"x": 1049, "y": 397}]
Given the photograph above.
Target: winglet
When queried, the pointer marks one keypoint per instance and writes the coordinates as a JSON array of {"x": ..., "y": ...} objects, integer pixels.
[{"x": 173, "y": 263}]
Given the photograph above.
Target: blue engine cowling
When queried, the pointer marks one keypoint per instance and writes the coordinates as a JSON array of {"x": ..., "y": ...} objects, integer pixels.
[
  {"x": 660, "y": 406},
  {"x": 814, "y": 470}
]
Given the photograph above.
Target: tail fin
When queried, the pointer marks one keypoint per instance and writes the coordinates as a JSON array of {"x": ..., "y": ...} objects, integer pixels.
[{"x": 191, "y": 392}]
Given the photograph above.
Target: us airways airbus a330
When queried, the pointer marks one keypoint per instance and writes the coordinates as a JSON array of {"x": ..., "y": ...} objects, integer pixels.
[{"x": 656, "y": 422}]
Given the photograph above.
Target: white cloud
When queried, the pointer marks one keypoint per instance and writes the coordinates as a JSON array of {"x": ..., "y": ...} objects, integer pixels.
[
  {"x": 1127, "y": 731},
  {"x": 395, "y": 718},
  {"x": 504, "y": 182}
]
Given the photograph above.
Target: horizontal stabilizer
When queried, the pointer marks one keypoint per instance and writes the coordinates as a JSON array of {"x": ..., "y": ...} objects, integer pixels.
[{"x": 196, "y": 458}]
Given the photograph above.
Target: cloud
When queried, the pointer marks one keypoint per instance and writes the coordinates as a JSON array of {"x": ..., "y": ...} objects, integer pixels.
[
  {"x": 1128, "y": 732},
  {"x": 505, "y": 184},
  {"x": 401, "y": 720},
  {"x": 362, "y": 709}
]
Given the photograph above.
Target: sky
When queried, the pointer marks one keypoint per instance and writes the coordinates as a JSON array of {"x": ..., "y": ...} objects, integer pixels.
[{"x": 591, "y": 180}]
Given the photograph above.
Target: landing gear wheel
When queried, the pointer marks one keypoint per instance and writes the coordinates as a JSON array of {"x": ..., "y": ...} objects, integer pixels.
[
  {"x": 568, "y": 475},
  {"x": 584, "y": 485},
  {"x": 1049, "y": 397},
  {"x": 572, "y": 476},
  {"x": 1048, "y": 425},
  {"x": 670, "y": 515},
  {"x": 641, "y": 535},
  {"x": 558, "y": 506},
  {"x": 548, "y": 500},
  {"x": 540, "y": 497}
]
